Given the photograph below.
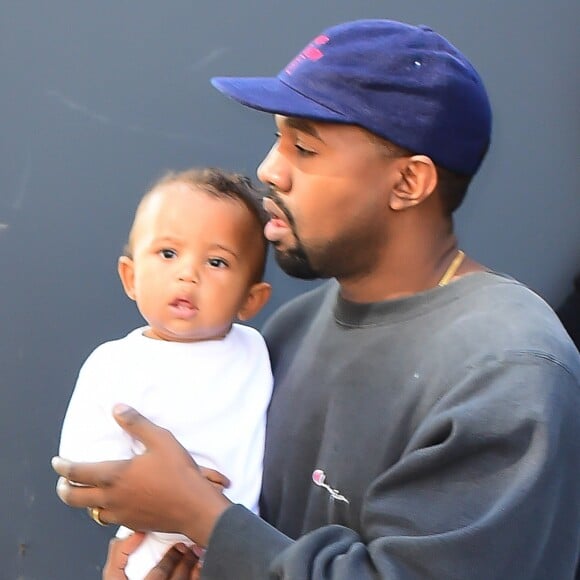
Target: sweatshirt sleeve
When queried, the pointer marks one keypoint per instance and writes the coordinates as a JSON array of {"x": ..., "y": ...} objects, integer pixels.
[{"x": 487, "y": 488}]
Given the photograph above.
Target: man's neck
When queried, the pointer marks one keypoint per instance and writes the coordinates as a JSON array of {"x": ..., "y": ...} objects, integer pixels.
[{"x": 407, "y": 271}]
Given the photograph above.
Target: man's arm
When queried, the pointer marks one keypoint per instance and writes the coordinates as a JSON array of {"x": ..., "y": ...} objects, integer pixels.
[{"x": 486, "y": 489}]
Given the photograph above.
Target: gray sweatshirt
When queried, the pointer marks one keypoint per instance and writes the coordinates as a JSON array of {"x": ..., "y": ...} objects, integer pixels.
[{"x": 435, "y": 436}]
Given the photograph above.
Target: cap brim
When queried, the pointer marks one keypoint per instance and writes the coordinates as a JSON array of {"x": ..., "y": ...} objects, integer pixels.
[{"x": 271, "y": 95}]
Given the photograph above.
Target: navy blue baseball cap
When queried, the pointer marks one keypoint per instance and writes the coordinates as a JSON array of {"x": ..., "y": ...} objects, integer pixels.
[{"x": 404, "y": 83}]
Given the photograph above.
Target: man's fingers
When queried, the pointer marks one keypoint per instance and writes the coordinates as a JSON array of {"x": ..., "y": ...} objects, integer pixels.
[
  {"x": 151, "y": 435},
  {"x": 184, "y": 569},
  {"x": 175, "y": 565},
  {"x": 167, "y": 564},
  {"x": 196, "y": 572},
  {"x": 77, "y": 496},
  {"x": 93, "y": 474},
  {"x": 85, "y": 497},
  {"x": 219, "y": 480},
  {"x": 138, "y": 426}
]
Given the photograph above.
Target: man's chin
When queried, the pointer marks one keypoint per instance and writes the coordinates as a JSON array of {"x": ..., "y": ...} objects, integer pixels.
[{"x": 295, "y": 263}]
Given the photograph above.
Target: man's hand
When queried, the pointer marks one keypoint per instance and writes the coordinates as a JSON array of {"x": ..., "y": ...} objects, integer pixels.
[
  {"x": 163, "y": 489},
  {"x": 179, "y": 563}
]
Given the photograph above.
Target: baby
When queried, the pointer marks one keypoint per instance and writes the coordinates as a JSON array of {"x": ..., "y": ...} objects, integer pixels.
[{"x": 194, "y": 263}]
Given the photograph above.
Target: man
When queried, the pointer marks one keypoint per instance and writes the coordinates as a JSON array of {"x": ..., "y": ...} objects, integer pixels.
[
  {"x": 569, "y": 311},
  {"x": 424, "y": 419}
]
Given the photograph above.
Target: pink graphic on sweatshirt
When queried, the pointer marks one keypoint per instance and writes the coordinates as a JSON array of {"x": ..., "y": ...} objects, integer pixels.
[{"x": 319, "y": 478}]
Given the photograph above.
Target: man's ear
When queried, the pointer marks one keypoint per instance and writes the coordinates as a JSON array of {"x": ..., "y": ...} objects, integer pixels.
[
  {"x": 417, "y": 182},
  {"x": 126, "y": 270},
  {"x": 257, "y": 297}
]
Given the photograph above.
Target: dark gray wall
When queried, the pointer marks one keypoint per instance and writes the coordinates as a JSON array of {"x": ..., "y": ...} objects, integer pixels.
[{"x": 99, "y": 98}]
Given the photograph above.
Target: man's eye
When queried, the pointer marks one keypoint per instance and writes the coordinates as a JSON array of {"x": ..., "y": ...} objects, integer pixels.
[
  {"x": 217, "y": 263},
  {"x": 303, "y": 151},
  {"x": 167, "y": 253}
]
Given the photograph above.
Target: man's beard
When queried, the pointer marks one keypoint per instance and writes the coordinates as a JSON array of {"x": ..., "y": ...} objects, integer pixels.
[
  {"x": 295, "y": 262},
  {"x": 322, "y": 260}
]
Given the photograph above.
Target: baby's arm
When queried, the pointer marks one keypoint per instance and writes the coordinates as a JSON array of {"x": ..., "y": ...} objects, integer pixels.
[{"x": 89, "y": 432}]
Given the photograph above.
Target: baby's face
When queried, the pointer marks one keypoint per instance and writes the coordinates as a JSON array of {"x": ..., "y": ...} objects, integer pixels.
[{"x": 194, "y": 258}]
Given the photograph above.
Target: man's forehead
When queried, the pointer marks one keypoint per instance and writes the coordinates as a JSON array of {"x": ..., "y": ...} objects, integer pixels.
[
  {"x": 319, "y": 129},
  {"x": 309, "y": 126}
]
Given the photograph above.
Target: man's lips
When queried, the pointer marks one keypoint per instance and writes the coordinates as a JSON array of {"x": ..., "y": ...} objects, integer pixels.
[
  {"x": 278, "y": 226},
  {"x": 272, "y": 208}
]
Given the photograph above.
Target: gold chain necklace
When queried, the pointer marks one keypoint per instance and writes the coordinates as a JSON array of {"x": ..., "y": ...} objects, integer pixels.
[{"x": 452, "y": 269}]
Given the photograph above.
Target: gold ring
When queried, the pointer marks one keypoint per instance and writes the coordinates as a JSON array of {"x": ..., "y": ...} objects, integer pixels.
[{"x": 95, "y": 515}]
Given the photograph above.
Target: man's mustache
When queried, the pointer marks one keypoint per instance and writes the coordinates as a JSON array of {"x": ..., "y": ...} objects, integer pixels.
[{"x": 272, "y": 194}]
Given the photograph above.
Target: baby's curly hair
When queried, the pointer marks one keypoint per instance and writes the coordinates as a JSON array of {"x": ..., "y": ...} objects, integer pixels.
[{"x": 220, "y": 184}]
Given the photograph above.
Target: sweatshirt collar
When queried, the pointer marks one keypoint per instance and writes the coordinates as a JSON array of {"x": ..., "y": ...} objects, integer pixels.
[{"x": 356, "y": 314}]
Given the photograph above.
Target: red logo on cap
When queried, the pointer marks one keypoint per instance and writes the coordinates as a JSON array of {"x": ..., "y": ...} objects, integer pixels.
[{"x": 312, "y": 53}]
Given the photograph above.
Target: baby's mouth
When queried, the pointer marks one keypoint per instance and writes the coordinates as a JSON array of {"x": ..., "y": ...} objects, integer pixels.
[{"x": 183, "y": 308}]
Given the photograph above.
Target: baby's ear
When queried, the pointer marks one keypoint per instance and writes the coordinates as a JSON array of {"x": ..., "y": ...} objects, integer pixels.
[
  {"x": 126, "y": 270},
  {"x": 257, "y": 297}
]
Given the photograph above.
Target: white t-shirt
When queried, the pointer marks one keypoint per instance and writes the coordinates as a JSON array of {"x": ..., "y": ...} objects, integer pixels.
[{"x": 212, "y": 395}]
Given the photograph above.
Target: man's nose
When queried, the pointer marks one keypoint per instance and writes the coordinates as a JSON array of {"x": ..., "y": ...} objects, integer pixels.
[{"x": 274, "y": 171}]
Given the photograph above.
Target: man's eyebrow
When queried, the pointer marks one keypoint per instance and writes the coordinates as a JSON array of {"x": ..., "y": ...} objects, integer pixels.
[{"x": 303, "y": 125}]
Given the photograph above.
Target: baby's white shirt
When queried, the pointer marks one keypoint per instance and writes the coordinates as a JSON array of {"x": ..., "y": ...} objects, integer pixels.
[{"x": 212, "y": 395}]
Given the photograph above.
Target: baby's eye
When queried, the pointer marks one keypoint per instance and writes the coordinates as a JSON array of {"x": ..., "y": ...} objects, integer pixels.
[
  {"x": 167, "y": 253},
  {"x": 217, "y": 263}
]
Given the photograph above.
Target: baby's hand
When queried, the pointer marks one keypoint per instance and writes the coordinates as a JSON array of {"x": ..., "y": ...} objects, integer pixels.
[{"x": 118, "y": 555}]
